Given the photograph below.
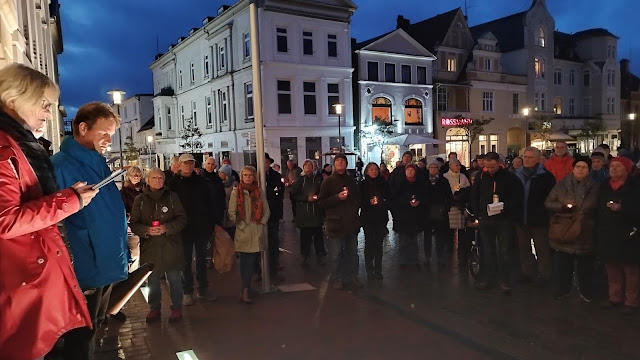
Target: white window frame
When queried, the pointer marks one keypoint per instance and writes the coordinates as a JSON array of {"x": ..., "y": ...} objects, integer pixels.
[
  {"x": 224, "y": 110},
  {"x": 572, "y": 77},
  {"x": 207, "y": 66},
  {"x": 182, "y": 115},
  {"x": 284, "y": 34},
  {"x": 332, "y": 40},
  {"x": 159, "y": 127},
  {"x": 540, "y": 37},
  {"x": 442, "y": 103},
  {"x": 587, "y": 73},
  {"x": 482, "y": 144},
  {"x": 221, "y": 57},
  {"x": 169, "y": 119},
  {"x": 487, "y": 101},
  {"x": 180, "y": 79},
  {"x": 248, "y": 95},
  {"x": 284, "y": 92},
  {"x": 306, "y": 93},
  {"x": 194, "y": 113},
  {"x": 493, "y": 140},
  {"x": 572, "y": 107},
  {"x": 306, "y": 37},
  {"x": 209, "y": 104},
  {"x": 246, "y": 40},
  {"x": 487, "y": 64},
  {"x": 332, "y": 109},
  {"x": 192, "y": 73},
  {"x": 557, "y": 76}
]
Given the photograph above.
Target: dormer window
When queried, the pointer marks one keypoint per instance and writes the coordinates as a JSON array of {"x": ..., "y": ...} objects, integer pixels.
[{"x": 540, "y": 37}]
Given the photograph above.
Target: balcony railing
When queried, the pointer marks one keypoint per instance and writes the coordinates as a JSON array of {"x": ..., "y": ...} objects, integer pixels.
[{"x": 166, "y": 91}]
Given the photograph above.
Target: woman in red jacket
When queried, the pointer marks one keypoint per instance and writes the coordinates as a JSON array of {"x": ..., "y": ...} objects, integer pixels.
[{"x": 40, "y": 298}]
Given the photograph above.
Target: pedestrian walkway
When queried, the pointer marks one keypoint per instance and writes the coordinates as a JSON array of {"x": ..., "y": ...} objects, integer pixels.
[{"x": 432, "y": 313}]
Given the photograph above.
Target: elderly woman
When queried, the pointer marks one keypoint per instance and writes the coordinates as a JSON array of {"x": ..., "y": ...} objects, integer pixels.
[
  {"x": 374, "y": 217},
  {"x": 157, "y": 217},
  {"x": 439, "y": 196},
  {"x": 461, "y": 190},
  {"x": 309, "y": 216},
  {"x": 229, "y": 183},
  {"x": 132, "y": 187},
  {"x": 249, "y": 210},
  {"x": 572, "y": 203},
  {"x": 39, "y": 295},
  {"x": 409, "y": 202},
  {"x": 618, "y": 233}
]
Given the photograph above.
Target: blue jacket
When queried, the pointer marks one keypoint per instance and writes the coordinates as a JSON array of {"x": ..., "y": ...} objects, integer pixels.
[
  {"x": 534, "y": 192},
  {"x": 97, "y": 233}
]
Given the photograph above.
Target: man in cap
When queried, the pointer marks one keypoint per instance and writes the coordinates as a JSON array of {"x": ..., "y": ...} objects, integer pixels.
[
  {"x": 340, "y": 200},
  {"x": 193, "y": 192},
  {"x": 275, "y": 198}
]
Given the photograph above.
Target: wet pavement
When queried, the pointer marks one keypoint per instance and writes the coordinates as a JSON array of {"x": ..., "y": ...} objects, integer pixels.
[{"x": 433, "y": 314}]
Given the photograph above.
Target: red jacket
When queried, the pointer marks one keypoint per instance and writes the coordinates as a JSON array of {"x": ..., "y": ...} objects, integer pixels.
[
  {"x": 39, "y": 295},
  {"x": 559, "y": 166}
]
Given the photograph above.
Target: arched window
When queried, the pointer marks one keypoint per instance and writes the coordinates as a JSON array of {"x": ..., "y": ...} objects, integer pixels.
[
  {"x": 381, "y": 111},
  {"x": 540, "y": 37},
  {"x": 413, "y": 112}
]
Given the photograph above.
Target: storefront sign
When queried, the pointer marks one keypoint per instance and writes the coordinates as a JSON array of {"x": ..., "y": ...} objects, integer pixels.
[{"x": 455, "y": 122}]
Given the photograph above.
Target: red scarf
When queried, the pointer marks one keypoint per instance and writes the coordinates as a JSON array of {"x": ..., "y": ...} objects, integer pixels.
[
  {"x": 256, "y": 201},
  {"x": 616, "y": 184}
]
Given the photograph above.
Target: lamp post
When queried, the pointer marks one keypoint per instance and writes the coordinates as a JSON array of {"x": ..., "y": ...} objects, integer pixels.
[
  {"x": 525, "y": 112},
  {"x": 339, "y": 112},
  {"x": 116, "y": 96},
  {"x": 632, "y": 117}
]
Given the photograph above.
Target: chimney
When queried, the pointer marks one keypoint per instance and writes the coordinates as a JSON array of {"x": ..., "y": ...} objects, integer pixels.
[{"x": 403, "y": 23}]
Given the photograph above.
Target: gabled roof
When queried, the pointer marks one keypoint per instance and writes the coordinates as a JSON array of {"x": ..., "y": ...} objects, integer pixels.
[
  {"x": 431, "y": 32},
  {"x": 393, "y": 43},
  {"x": 148, "y": 125},
  {"x": 508, "y": 30}
]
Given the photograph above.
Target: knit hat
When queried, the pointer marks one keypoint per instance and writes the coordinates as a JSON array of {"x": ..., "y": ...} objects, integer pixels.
[
  {"x": 341, "y": 156},
  {"x": 584, "y": 159},
  {"x": 598, "y": 155},
  {"x": 628, "y": 164},
  {"x": 226, "y": 161},
  {"x": 410, "y": 165},
  {"x": 226, "y": 169}
]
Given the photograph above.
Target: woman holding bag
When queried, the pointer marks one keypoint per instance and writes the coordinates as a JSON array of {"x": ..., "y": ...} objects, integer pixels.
[{"x": 573, "y": 203}]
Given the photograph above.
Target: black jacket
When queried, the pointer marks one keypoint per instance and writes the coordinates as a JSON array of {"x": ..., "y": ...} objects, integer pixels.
[
  {"x": 406, "y": 218},
  {"x": 193, "y": 192},
  {"x": 308, "y": 213},
  {"x": 534, "y": 192},
  {"x": 374, "y": 215},
  {"x": 508, "y": 189},
  {"x": 341, "y": 216},
  {"x": 614, "y": 242},
  {"x": 439, "y": 199},
  {"x": 217, "y": 194},
  {"x": 275, "y": 194}
]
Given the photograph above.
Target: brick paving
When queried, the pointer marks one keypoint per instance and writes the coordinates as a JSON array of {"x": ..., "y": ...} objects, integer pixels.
[{"x": 432, "y": 314}]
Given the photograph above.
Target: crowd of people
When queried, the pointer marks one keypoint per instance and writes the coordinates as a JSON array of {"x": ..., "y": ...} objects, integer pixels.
[{"x": 575, "y": 211}]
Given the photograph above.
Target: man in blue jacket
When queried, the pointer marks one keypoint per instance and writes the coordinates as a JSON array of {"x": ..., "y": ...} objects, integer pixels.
[{"x": 98, "y": 233}]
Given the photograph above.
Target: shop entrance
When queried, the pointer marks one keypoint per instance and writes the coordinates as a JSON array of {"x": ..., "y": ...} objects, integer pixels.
[{"x": 458, "y": 142}]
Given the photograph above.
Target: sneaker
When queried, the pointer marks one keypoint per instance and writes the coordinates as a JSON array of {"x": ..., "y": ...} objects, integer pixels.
[
  {"x": 207, "y": 295},
  {"x": 505, "y": 289},
  {"x": 176, "y": 314},
  {"x": 586, "y": 299},
  {"x": 338, "y": 285},
  {"x": 188, "y": 300},
  {"x": 152, "y": 316}
]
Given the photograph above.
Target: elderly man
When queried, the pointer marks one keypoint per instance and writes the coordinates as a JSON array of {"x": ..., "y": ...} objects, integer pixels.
[
  {"x": 218, "y": 200},
  {"x": 193, "y": 192},
  {"x": 445, "y": 168},
  {"x": 534, "y": 220},
  {"x": 599, "y": 171},
  {"x": 561, "y": 163},
  {"x": 97, "y": 233},
  {"x": 175, "y": 166}
]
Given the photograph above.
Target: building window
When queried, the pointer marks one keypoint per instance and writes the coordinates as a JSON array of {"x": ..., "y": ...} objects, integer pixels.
[
  {"x": 333, "y": 97},
  {"x": 487, "y": 101},
  {"x": 125, "y": 112},
  {"x": 611, "y": 78},
  {"x": 307, "y": 42},
  {"x": 572, "y": 106},
  {"x": 284, "y": 97},
  {"x": 406, "y": 74},
  {"x": 314, "y": 147},
  {"x": 611, "y": 107},
  {"x": 288, "y": 149},
  {"x": 421, "y": 75},
  {"x": 194, "y": 113},
  {"x": 493, "y": 143},
  {"x": 442, "y": 98},
  {"x": 482, "y": 141},
  {"x": 182, "y": 115},
  {"x": 539, "y": 67},
  {"x": 192, "y": 73},
  {"x": 180, "y": 79},
  {"x": 372, "y": 70},
  {"x": 586, "y": 106},
  {"x": 247, "y": 45},
  {"x": 557, "y": 76},
  {"x": 515, "y": 103},
  {"x": 389, "y": 72},
  {"x": 207, "y": 101},
  {"x": 281, "y": 40},
  {"x": 586, "y": 78},
  {"x": 332, "y": 45},
  {"x": 413, "y": 112},
  {"x": 611, "y": 51},
  {"x": 169, "y": 125},
  {"x": 223, "y": 106},
  {"x": 572, "y": 77},
  {"x": 248, "y": 95},
  {"x": 487, "y": 64},
  {"x": 309, "y": 90},
  {"x": 221, "y": 60},
  {"x": 159, "y": 112},
  {"x": 557, "y": 105},
  {"x": 540, "y": 37},
  {"x": 381, "y": 111},
  {"x": 451, "y": 64},
  {"x": 207, "y": 65}
]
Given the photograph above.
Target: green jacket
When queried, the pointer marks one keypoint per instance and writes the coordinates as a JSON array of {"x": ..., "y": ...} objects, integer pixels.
[
  {"x": 164, "y": 251},
  {"x": 248, "y": 233},
  {"x": 308, "y": 214}
]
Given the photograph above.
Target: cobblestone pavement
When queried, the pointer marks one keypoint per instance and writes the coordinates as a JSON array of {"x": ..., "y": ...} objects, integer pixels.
[{"x": 429, "y": 314}]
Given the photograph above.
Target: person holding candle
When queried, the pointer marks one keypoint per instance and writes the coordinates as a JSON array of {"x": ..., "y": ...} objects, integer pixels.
[
  {"x": 374, "y": 217},
  {"x": 572, "y": 203},
  {"x": 460, "y": 189},
  {"x": 440, "y": 198},
  {"x": 158, "y": 218},
  {"x": 309, "y": 215},
  {"x": 409, "y": 202},
  {"x": 618, "y": 236}
]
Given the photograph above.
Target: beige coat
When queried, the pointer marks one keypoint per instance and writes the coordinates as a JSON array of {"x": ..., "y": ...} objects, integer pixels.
[{"x": 247, "y": 238}]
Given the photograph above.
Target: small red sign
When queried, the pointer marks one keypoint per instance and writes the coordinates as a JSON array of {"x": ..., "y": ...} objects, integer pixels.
[{"x": 455, "y": 122}]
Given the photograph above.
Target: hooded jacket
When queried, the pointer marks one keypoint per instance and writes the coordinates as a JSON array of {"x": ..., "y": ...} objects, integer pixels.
[
  {"x": 308, "y": 214},
  {"x": 98, "y": 233}
]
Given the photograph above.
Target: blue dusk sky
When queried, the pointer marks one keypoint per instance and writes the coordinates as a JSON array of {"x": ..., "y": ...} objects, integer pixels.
[{"x": 110, "y": 43}]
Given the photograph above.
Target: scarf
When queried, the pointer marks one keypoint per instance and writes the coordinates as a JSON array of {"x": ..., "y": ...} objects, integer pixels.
[
  {"x": 433, "y": 179},
  {"x": 256, "y": 201},
  {"x": 616, "y": 184},
  {"x": 528, "y": 172},
  {"x": 36, "y": 155},
  {"x": 457, "y": 179}
]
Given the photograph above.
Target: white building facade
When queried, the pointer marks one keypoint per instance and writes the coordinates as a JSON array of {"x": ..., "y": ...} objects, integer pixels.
[
  {"x": 136, "y": 112},
  {"x": 206, "y": 78},
  {"x": 30, "y": 34}
]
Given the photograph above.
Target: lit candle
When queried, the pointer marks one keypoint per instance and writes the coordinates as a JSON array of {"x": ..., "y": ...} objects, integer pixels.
[{"x": 569, "y": 206}]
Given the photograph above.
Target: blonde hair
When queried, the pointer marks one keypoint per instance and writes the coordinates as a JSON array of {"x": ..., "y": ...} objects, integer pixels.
[
  {"x": 130, "y": 172},
  {"x": 151, "y": 171},
  {"x": 24, "y": 85},
  {"x": 250, "y": 169}
]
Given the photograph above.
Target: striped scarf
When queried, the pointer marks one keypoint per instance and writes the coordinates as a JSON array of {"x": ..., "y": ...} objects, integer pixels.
[{"x": 256, "y": 201}]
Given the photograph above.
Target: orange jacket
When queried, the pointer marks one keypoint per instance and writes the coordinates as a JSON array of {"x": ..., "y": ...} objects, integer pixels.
[{"x": 560, "y": 166}]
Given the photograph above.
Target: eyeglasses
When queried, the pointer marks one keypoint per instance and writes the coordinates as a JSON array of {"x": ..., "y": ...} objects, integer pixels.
[{"x": 46, "y": 105}]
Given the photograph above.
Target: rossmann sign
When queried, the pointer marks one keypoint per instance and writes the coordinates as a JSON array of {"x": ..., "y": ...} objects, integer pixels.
[{"x": 455, "y": 122}]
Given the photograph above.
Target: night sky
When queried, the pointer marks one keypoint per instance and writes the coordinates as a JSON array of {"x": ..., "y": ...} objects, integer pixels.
[{"x": 110, "y": 43}]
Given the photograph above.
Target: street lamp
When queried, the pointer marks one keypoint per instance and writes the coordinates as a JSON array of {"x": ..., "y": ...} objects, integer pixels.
[
  {"x": 339, "y": 112},
  {"x": 525, "y": 112},
  {"x": 116, "y": 96},
  {"x": 632, "y": 117}
]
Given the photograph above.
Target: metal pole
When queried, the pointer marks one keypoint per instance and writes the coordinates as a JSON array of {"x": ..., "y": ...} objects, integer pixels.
[
  {"x": 632, "y": 135},
  {"x": 526, "y": 131},
  {"x": 258, "y": 124},
  {"x": 340, "y": 133},
  {"x": 120, "y": 137}
]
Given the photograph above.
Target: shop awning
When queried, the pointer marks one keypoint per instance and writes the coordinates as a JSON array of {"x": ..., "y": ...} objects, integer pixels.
[
  {"x": 560, "y": 136},
  {"x": 411, "y": 139}
]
